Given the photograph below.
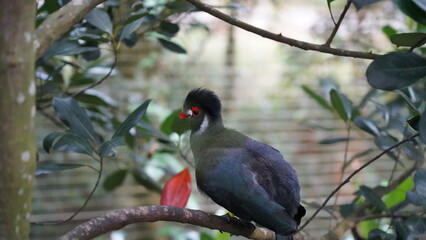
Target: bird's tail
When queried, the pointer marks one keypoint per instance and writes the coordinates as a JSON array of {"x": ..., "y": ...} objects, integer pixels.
[{"x": 301, "y": 211}]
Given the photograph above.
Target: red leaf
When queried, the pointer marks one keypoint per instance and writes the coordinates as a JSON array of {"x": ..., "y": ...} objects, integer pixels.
[{"x": 176, "y": 191}]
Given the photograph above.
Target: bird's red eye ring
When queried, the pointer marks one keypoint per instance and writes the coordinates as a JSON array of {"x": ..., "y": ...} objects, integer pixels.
[{"x": 195, "y": 111}]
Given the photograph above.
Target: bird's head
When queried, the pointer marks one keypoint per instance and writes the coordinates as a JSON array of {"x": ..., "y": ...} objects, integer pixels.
[{"x": 203, "y": 108}]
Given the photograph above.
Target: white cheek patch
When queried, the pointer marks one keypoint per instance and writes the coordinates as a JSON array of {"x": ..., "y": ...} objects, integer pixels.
[{"x": 203, "y": 126}]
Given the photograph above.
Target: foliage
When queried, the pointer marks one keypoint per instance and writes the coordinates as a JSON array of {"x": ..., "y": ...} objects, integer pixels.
[
  {"x": 393, "y": 110},
  {"x": 91, "y": 120}
]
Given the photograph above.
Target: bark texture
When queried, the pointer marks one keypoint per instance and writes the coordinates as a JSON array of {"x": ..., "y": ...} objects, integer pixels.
[{"x": 17, "y": 111}]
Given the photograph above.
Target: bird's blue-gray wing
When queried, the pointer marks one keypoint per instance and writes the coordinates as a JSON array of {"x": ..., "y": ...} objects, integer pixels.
[
  {"x": 275, "y": 175},
  {"x": 233, "y": 184}
]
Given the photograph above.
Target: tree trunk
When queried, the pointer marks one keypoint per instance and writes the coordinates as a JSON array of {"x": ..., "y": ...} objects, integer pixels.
[{"x": 17, "y": 111}]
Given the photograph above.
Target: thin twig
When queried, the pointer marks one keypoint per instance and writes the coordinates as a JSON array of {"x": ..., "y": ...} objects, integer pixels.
[
  {"x": 51, "y": 118},
  {"x": 345, "y": 160},
  {"x": 84, "y": 204},
  {"x": 279, "y": 37},
  {"x": 347, "y": 180},
  {"x": 397, "y": 161},
  {"x": 339, "y": 22},
  {"x": 114, "y": 47}
]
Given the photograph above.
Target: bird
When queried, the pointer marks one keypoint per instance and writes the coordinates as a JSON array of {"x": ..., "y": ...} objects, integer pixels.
[{"x": 250, "y": 179}]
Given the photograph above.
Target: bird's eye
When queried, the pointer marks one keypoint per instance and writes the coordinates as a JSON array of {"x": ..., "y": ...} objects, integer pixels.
[{"x": 195, "y": 111}]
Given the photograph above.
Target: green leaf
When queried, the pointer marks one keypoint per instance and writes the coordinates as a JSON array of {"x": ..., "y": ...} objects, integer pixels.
[
  {"x": 407, "y": 100},
  {"x": 334, "y": 140},
  {"x": 412, "y": 152},
  {"x": 49, "y": 167},
  {"x": 75, "y": 117},
  {"x": 401, "y": 228},
  {"x": 377, "y": 234},
  {"x": 114, "y": 180},
  {"x": 106, "y": 149},
  {"x": 408, "y": 39},
  {"x": 396, "y": 70},
  {"x": 49, "y": 6},
  {"x": 168, "y": 29},
  {"x": 49, "y": 140},
  {"x": 173, "y": 123},
  {"x": 363, "y": 3},
  {"x": 100, "y": 19},
  {"x": 130, "y": 28},
  {"x": 412, "y": 10},
  {"x": 418, "y": 195},
  {"x": 373, "y": 198},
  {"x": 366, "y": 226},
  {"x": 143, "y": 179},
  {"x": 205, "y": 236},
  {"x": 70, "y": 142},
  {"x": 389, "y": 31},
  {"x": 180, "y": 6},
  {"x": 341, "y": 104},
  {"x": 136, "y": 16},
  {"x": 367, "y": 125},
  {"x": 92, "y": 96},
  {"x": 347, "y": 209},
  {"x": 398, "y": 195},
  {"x": 132, "y": 120},
  {"x": 171, "y": 46},
  {"x": 422, "y": 127},
  {"x": 385, "y": 141},
  {"x": 64, "y": 47},
  {"x": 414, "y": 122},
  {"x": 320, "y": 100}
]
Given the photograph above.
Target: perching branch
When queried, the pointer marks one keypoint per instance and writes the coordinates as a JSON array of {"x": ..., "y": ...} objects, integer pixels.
[
  {"x": 347, "y": 180},
  {"x": 60, "y": 22},
  {"x": 120, "y": 218},
  {"x": 279, "y": 37}
]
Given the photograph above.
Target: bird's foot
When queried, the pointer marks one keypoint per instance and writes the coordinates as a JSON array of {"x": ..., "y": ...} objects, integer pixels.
[
  {"x": 229, "y": 217},
  {"x": 232, "y": 218}
]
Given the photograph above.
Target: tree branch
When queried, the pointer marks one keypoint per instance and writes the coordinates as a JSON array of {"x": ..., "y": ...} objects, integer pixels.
[
  {"x": 339, "y": 22},
  {"x": 279, "y": 37},
  {"x": 60, "y": 22},
  {"x": 120, "y": 218}
]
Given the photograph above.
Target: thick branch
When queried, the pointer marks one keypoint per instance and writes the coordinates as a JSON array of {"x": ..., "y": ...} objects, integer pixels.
[
  {"x": 120, "y": 218},
  {"x": 60, "y": 22},
  {"x": 278, "y": 37}
]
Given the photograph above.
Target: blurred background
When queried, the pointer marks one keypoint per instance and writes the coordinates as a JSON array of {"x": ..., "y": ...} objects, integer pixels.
[{"x": 260, "y": 83}]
